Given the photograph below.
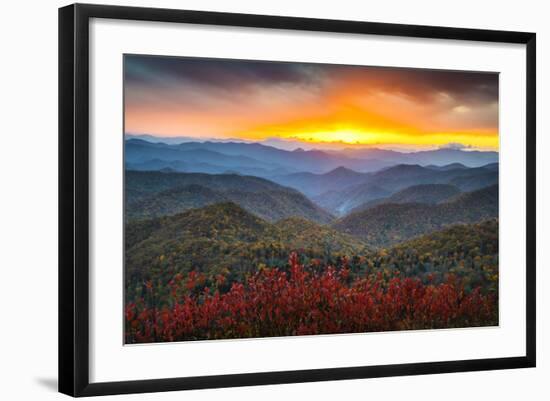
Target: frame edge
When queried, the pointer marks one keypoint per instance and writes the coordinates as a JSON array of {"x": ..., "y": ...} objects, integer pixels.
[
  {"x": 531, "y": 200},
  {"x": 73, "y": 266},
  {"x": 73, "y": 279},
  {"x": 66, "y": 306}
]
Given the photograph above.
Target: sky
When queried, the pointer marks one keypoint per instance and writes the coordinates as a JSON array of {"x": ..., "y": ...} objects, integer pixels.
[{"x": 317, "y": 105}]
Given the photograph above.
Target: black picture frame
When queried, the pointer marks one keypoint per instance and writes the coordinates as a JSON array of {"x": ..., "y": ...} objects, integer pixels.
[{"x": 74, "y": 198}]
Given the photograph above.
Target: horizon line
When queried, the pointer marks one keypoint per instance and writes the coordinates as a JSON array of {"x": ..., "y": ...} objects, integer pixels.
[{"x": 311, "y": 146}]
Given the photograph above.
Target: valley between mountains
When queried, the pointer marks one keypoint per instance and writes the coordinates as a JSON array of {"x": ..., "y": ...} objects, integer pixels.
[{"x": 230, "y": 221}]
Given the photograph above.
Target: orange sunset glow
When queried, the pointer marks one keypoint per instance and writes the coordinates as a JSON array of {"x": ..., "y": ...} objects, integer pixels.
[{"x": 210, "y": 99}]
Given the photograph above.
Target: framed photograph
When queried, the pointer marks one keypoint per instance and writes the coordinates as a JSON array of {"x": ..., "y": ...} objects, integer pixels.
[{"x": 250, "y": 199}]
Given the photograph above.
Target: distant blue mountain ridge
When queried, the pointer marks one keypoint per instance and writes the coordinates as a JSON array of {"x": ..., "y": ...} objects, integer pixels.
[{"x": 267, "y": 161}]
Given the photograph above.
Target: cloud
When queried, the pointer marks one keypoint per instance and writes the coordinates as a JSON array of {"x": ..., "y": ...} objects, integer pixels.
[
  {"x": 455, "y": 146},
  {"x": 215, "y": 73},
  {"x": 219, "y": 85},
  {"x": 461, "y": 109}
]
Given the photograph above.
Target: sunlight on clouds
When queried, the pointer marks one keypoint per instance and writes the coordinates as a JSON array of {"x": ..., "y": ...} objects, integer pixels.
[{"x": 461, "y": 109}]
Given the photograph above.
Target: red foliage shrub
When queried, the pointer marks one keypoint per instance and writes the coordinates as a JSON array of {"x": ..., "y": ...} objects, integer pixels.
[{"x": 275, "y": 303}]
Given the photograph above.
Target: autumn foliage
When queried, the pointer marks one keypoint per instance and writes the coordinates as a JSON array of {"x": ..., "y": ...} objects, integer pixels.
[{"x": 301, "y": 301}]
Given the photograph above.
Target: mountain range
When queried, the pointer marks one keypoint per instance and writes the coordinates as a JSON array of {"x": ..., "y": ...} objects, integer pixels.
[
  {"x": 267, "y": 161},
  {"x": 388, "y": 181},
  {"x": 234, "y": 206},
  {"x": 338, "y": 192}
]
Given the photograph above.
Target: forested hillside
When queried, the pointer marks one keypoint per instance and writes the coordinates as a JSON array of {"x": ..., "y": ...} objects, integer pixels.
[
  {"x": 425, "y": 193},
  {"x": 442, "y": 280},
  {"x": 226, "y": 238},
  {"x": 468, "y": 251},
  {"x": 389, "y": 224},
  {"x": 155, "y": 194}
]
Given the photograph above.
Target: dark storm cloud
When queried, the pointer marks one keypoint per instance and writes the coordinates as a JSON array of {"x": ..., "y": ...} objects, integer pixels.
[
  {"x": 147, "y": 70},
  {"x": 481, "y": 87},
  {"x": 422, "y": 84}
]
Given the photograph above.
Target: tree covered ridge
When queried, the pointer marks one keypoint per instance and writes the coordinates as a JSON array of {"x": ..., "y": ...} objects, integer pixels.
[
  {"x": 422, "y": 193},
  {"x": 225, "y": 237},
  {"x": 469, "y": 252},
  {"x": 156, "y": 194},
  {"x": 389, "y": 224}
]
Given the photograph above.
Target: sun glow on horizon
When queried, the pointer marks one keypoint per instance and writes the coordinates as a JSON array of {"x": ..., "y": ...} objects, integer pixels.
[{"x": 357, "y": 137}]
